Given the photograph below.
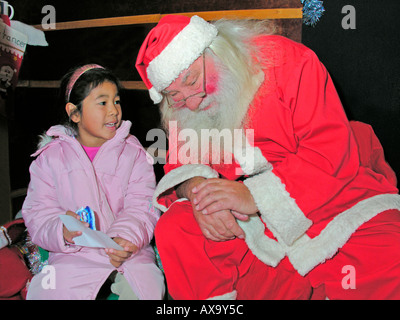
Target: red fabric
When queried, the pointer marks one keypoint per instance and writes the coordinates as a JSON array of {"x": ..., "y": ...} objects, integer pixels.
[
  {"x": 302, "y": 130},
  {"x": 190, "y": 258},
  {"x": 15, "y": 229},
  {"x": 156, "y": 41},
  {"x": 372, "y": 255},
  {"x": 371, "y": 151},
  {"x": 197, "y": 268},
  {"x": 10, "y": 61},
  {"x": 6, "y": 19},
  {"x": 14, "y": 274}
]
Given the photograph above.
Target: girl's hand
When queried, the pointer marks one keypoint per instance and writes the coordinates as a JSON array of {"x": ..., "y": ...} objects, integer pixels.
[
  {"x": 118, "y": 257},
  {"x": 70, "y": 235},
  {"x": 213, "y": 195}
]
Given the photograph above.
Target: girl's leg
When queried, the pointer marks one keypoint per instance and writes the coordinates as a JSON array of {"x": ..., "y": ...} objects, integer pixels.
[{"x": 69, "y": 279}]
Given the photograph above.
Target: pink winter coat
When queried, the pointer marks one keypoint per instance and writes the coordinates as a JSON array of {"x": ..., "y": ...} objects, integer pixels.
[{"x": 118, "y": 185}]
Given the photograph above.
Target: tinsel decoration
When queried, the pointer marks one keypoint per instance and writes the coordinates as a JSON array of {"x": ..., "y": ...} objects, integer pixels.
[
  {"x": 36, "y": 258},
  {"x": 312, "y": 11},
  {"x": 158, "y": 260}
]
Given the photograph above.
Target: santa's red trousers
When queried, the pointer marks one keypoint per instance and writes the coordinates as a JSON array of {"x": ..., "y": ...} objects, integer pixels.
[{"x": 366, "y": 267}]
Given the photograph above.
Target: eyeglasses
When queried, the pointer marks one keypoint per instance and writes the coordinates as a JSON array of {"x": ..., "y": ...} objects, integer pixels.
[{"x": 180, "y": 103}]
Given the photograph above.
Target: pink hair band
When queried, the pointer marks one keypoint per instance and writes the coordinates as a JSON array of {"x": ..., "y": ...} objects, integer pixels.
[{"x": 77, "y": 74}]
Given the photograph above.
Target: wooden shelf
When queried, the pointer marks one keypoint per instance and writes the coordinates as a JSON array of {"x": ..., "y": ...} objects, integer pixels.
[
  {"x": 280, "y": 13},
  {"x": 49, "y": 84}
]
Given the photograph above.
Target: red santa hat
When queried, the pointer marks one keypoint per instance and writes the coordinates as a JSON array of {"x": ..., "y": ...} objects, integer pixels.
[{"x": 170, "y": 48}]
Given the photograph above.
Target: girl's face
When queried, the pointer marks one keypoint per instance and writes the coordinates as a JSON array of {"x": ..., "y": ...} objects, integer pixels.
[{"x": 100, "y": 116}]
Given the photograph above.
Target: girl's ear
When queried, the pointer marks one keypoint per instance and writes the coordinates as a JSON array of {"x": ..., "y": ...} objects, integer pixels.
[{"x": 73, "y": 112}]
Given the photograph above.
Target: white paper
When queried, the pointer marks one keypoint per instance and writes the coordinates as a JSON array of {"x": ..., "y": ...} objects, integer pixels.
[{"x": 89, "y": 237}]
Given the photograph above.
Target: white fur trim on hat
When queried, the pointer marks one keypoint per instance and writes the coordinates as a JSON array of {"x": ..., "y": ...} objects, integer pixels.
[
  {"x": 155, "y": 95},
  {"x": 181, "y": 52}
]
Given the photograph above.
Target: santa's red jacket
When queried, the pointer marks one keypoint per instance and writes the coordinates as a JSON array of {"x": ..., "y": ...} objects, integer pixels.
[{"x": 312, "y": 187}]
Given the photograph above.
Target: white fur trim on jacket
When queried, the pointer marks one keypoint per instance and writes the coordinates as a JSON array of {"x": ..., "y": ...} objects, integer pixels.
[
  {"x": 227, "y": 296},
  {"x": 250, "y": 159},
  {"x": 266, "y": 249},
  {"x": 283, "y": 217},
  {"x": 279, "y": 211},
  {"x": 307, "y": 253},
  {"x": 181, "y": 52},
  {"x": 288, "y": 224},
  {"x": 179, "y": 175}
]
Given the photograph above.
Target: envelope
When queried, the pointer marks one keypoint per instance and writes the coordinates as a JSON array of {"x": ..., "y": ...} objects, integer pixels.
[{"x": 89, "y": 237}]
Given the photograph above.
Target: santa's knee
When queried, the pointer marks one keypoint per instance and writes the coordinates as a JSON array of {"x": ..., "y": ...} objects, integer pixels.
[{"x": 173, "y": 224}]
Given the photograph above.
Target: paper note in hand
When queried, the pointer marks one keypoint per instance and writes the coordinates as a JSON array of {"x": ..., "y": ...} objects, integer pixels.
[{"x": 89, "y": 237}]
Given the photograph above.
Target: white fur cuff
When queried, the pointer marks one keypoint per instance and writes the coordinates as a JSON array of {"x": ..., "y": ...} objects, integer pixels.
[
  {"x": 179, "y": 175},
  {"x": 227, "y": 296},
  {"x": 278, "y": 210}
]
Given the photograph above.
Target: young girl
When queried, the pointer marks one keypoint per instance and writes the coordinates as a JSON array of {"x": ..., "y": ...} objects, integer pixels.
[{"x": 93, "y": 161}]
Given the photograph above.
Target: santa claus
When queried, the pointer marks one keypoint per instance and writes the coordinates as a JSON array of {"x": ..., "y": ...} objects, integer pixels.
[{"x": 303, "y": 210}]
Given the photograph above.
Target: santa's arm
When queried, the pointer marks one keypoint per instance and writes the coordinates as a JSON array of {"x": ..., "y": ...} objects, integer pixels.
[
  {"x": 326, "y": 158},
  {"x": 184, "y": 190},
  {"x": 179, "y": 176},
  {"x": 177, "y": 185}
]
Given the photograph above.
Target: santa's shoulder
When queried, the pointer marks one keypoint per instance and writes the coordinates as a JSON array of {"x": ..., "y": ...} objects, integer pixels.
[
  {"x": 280, "y": 50},
  {"x": 279, "y": 41}
]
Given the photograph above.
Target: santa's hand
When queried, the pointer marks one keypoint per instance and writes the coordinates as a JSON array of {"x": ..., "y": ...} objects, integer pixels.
[
  {"x": 219, "y": 226},
  {"x": 213, "y": 195}
]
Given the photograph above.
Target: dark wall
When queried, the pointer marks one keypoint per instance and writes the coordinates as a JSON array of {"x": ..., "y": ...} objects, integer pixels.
[
  {"x": 364, "y": 64},
  {"x": 34, "y": 110}
]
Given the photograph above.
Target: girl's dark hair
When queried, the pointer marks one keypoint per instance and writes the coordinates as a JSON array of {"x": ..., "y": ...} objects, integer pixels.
[{"x": 81, "y": 89}]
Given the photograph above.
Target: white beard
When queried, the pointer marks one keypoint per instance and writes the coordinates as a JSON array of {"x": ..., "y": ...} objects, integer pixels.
[{"x": 226, "y": 114}]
